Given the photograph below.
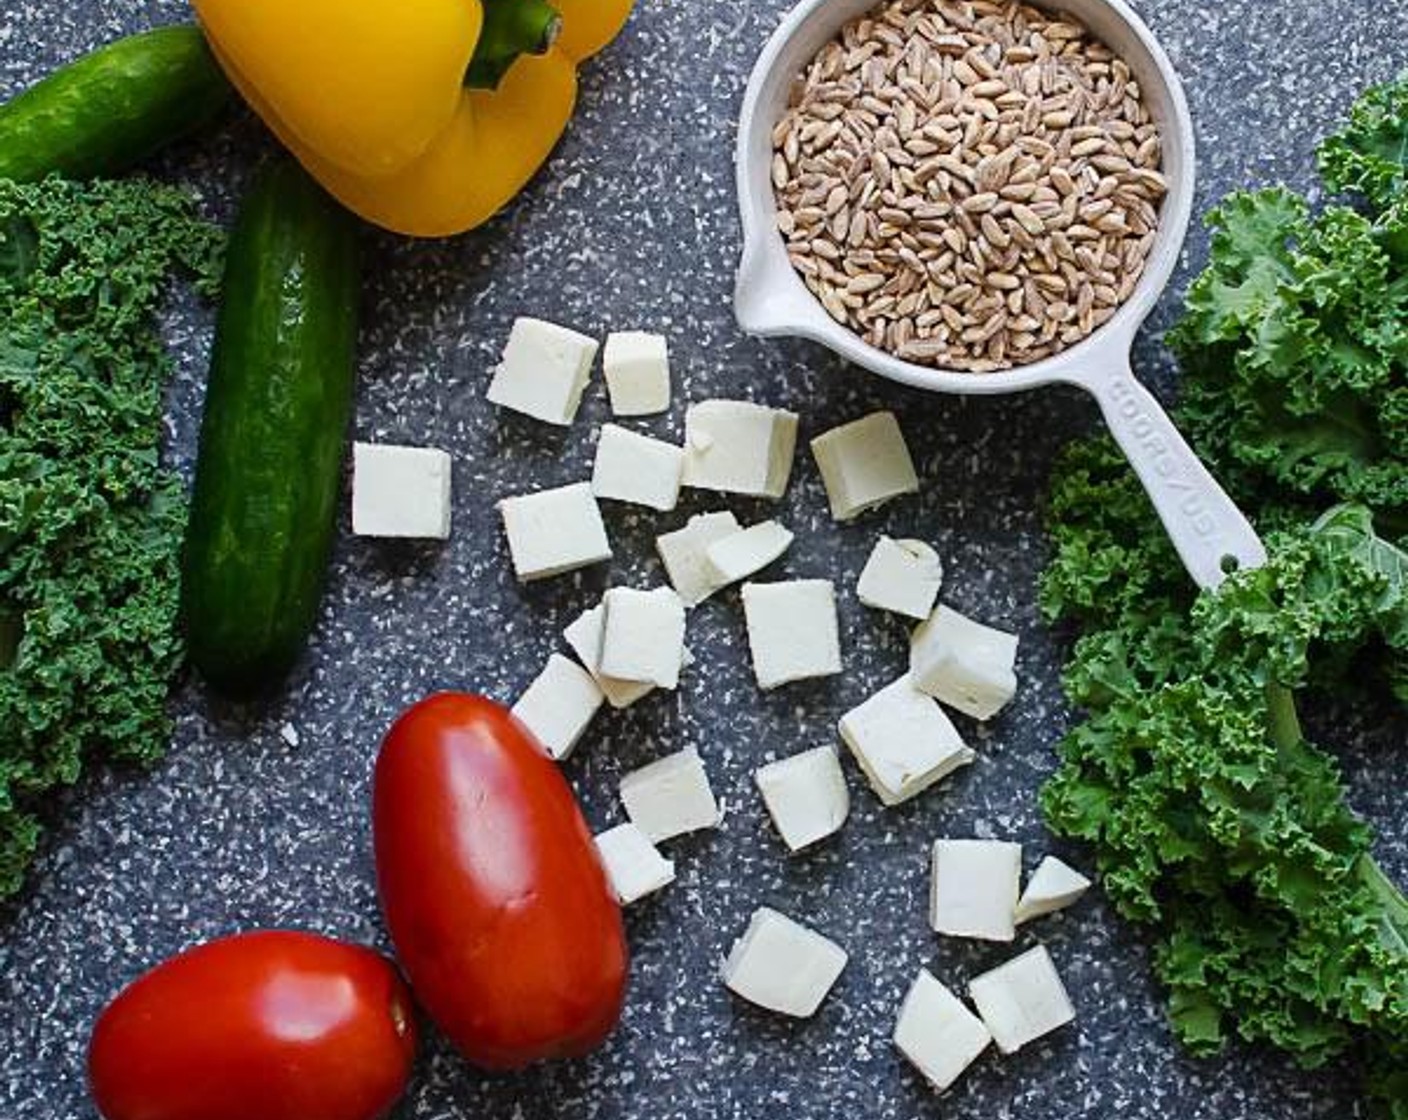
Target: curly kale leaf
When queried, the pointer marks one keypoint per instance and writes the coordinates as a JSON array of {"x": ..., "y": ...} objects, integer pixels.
[
  {"x": 1370, "y": 157},
  {"x": 1214, "y": 820},
  {"x": 1296, "y": 357},
  {"x": 90, "y": 521},
  {"x": 1211, "y": 818}
]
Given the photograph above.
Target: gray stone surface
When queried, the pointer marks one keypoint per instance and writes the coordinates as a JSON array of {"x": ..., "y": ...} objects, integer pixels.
[{"x": 632, "y": 225}]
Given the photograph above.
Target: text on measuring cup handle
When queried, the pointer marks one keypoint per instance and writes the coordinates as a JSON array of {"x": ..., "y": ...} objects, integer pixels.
[{"x": 1164, "y": 458}]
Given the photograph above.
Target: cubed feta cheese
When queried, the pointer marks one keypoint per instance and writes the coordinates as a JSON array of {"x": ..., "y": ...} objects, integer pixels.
[
  {"x": 1022, "y": 1000},
  {"x": 631, "y": 467},
  {"x": 938, "y": 1033},
  {"x": 557, "y": 706},
  {"x": 685, "y": 553},
  {"x": 748, "y": 552},
  {"x": 965, "y": 664},
  {"x": 739, "y": 447},
  {"x": 782, "y": 965},
  {"x": 400, "y": 491},
  {"x": 637, "y": 367},
  {"x": 864, "y": 464},
  {"x": 634, "y": 867},
  {"x": 642, "y": 636},
  {"x": 670, "y": 797},
  {"x": 973, "y": 892},
  {"x": 584, "y": 636},
  {"x": 554, "y": 531},
  {"x": 1053, "y": 886},
  {"x": 903, "y": 741},
  {"x": 903, "y": 577},
  {"x": 544, "y": 371},
  {"x": 806, "y": 796},
  {"x": 792, "y": 630}
]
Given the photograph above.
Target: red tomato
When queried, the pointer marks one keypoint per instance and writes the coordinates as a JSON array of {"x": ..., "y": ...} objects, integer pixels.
[
  {"x": 279, "y": 1026},
  {"x": 493, "y": 892}
]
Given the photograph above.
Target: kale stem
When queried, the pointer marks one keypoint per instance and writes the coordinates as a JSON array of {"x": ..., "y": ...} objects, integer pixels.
[
  {"x": 1393, "y": 927},
  {"x": 1285, "y": 723},
  {"x": 1393, "y": 924}
]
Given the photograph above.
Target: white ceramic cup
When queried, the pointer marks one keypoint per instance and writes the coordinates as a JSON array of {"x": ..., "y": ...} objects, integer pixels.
[{"x": 1211, "y": 534}]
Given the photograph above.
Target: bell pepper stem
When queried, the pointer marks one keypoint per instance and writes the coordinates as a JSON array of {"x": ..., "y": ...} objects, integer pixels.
[{"x": 511, "y": 28}]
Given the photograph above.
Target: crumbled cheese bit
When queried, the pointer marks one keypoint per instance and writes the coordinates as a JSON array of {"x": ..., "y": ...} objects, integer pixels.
[
  {"x": 864, "y": 464},
  {"x": 806, "y": 796},
  {"x": 792, "y": 630},
  {"x": 739, "y": 448},
  {"x": 400, "y": 492},
  {"x": 1022, "y": 1000},
  {"x": 1053, "y": 886},
  {"x": 642, "y": 636},
  {"x": 584, "y": 636},
  {"x": 685, "y": 554},
  {"x": 903, "y": 577},
  {"x": 974, "y": 889},
  {"x": 903, "y": 742},
  {"x": 558, "y": 705},
  {"x": 670, "y": 797},
  {"x": 631, "y": 467},
  {"x": 634, "y": 866},
  {"x": 637, "y": 367},
  {"x": 544, "y": 371},
  {"x": 938, "y": 1033},
  {"x": 782, "y": 965},
  {"x": 745, "y": 553},
  {"x": 965, "y": 664},
  {"x": 554, "y": 531}
]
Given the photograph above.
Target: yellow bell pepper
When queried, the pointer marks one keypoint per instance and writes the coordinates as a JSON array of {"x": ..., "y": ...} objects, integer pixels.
[{"x": 423, "y": 116}]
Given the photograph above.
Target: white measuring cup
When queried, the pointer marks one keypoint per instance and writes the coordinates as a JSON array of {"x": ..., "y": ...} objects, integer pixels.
[{"x": 1211, "y": 534}]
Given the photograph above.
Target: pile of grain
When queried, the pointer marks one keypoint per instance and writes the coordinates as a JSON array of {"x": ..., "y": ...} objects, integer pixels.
[{"x": 973, "y": 186}]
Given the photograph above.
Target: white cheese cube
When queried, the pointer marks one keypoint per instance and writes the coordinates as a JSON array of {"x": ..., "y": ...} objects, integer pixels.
[
  {"x": 1022, "y": 1000},
  {"x": 903, "y": 577},
  {"x": 637, "y": 367},
  {"x": 631, "y": 467},
  {"x": 554, "y": 531},
  {"x": 739, "y": 448},
  {"x": 965, "y": 664},
  {"x": 557, "y": 706},
  {"x": 584, "y": 636},
  {"x": 792, "y": 630},
  {"x": 938, "y": 1033},
  {"x": 782, "y": 965},
  {"x": 973, "y": 892},
  {"x": 1053, "y": 886},
  {"x": 864, "y": 464},
  {"x": 806, "y": 796},
  {"x": 903, "y": 742},
  {"x": 634, "y": 867},
  {"x": 747, "y": 552},
  {"x": 642, "y": 636},
  {"x": 400, "y": 491},
  {"x": 670, "y": 797},
  {"x": 544, "y": 371},
  {"x": 685, "y": 553}
]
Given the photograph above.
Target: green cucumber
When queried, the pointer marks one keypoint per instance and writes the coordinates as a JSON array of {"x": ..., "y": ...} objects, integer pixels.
[
  {"x": 277, "y": 410},
  {"x": 113, "y": 109}
]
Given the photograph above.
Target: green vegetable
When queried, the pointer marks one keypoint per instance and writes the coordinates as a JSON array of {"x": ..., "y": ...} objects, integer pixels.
[
  {"x": 277, "y": 411},
  {"x": 1213, "y": 819},
  {"x": 90, "y": 522},
  {"x": 106, "y": 113}
]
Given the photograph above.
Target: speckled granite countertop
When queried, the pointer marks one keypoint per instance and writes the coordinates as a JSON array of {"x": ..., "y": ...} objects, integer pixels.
[{"x": 633, "y": 225}]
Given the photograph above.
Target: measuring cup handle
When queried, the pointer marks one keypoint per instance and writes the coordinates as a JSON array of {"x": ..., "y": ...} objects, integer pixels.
[{"x": 1211, "y": 534}]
